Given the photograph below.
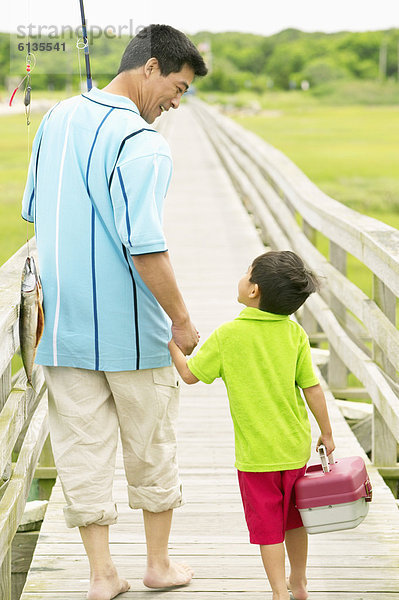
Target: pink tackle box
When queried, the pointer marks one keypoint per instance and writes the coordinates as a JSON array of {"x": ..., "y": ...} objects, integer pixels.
[{"x": 333, "y": 495}]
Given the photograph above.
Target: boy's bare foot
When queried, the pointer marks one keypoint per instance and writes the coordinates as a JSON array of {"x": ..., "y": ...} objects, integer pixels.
[
  {"x": 107, "y": 587},
  {"x": 167, "y": 575},
  {"x": 298, "y": 589}
]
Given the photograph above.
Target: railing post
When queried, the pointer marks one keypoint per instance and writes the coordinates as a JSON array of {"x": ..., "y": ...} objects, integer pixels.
[
  {"x": 385, "y": 447},
  {"x": 5, "y": 577},
  {"x": 337, "y": 371},
  {"x": 46, "y": 464},
  {"x": 5, "y": 568}
]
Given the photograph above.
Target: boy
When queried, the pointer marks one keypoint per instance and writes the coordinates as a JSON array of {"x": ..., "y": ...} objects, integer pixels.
[{"x": 264, "y": 359}]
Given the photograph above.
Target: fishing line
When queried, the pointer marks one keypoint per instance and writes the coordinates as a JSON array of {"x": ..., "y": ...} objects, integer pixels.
[
  {"x": 27, "y": 101},
  {"x": 30, "y": 63}
]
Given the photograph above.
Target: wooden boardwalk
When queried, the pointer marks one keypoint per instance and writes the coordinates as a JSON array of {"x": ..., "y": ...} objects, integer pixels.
[{"x": 212, "y": 241}]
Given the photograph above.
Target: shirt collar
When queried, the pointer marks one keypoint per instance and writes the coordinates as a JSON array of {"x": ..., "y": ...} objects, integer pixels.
[
  {"x": 256, "y": 314},
  {"x": 111, "y": 99}
]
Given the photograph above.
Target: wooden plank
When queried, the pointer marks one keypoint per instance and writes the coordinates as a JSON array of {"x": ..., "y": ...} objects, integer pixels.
[
  {"x": 337, "y": 370},
  {"x": 45, "y": 473},
  {"x": 351, "y": 393},
  {"x": 390, "y": 472},
  {"x": 248, "y": 585},
  {"x": 17, "y": 413},
  {"x": 386, "y": 301},
  {"x": 5, "y": 457},
  {"x": 5, "y": 576},
  {"x": 22, "y": 550},
  {"x": 363, "y": 431},
  {"x": 13, "y": 502},
  {"x": 184, "y": 594},
  {"x": 5, "y": 474},
  {"x": 208, "y": 556}
]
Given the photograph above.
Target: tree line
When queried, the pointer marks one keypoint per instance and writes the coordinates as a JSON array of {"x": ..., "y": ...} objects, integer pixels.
[{"x": 237, "y": 60}]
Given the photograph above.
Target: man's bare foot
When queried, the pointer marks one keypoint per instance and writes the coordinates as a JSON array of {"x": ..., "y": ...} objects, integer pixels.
[
  {"x": 282, "y": 596},
  {"x": 298, "y": 589},
  {"x": 107, "y": 587},
  {"x": 167, "y": 575}
]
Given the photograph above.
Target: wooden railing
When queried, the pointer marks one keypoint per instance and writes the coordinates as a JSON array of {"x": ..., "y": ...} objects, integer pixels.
[
  {"x": 291, "y": 213},
  {"x": 23, "y": 422}
]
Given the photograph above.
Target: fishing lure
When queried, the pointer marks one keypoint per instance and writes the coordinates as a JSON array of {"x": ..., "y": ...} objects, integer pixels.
[{"x": 30, "y": 65}]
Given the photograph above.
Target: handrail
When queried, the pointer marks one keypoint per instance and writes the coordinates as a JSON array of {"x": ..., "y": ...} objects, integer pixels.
[
  {"x": 361, "y": 331},
  {"x": 23, "y": 419}
]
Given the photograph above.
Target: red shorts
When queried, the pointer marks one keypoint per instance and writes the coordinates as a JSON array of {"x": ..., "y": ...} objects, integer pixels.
[{"x": 269, "y": 504}]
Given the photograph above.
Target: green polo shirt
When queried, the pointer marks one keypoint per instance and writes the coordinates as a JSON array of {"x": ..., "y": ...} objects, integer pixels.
[{"x": 264, "y": 359}]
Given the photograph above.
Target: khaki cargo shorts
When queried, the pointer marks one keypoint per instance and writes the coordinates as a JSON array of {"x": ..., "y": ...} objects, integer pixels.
[{"x": 87, "y": 409}]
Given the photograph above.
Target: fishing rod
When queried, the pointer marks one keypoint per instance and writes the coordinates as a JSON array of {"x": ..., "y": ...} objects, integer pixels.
[{"x": 86, "y": 46}]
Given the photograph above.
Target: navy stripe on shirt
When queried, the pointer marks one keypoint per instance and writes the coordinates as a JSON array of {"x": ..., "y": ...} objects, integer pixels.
[
  {"x": 34, "y": 194},
  {"x": 31, "y": 200},
  {"x": 111, "y": 105},
  {"x": 93, "y": 248},
  {"x": 121, "y": 148},
  {"x": 136, "y": 313},
  {"x": 126, "y": 205}
]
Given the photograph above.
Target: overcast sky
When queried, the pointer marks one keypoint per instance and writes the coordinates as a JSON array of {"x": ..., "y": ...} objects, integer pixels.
[{"x": 255, "y": 16}]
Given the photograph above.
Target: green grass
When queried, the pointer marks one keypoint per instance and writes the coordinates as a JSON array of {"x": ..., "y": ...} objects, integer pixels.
[
  {"x": 13, "y": 171},
  {"x": 335, "y": 93},
  {"x": 349, "y": 152}
]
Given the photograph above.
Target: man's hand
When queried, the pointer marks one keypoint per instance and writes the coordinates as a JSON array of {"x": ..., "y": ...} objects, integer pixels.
[{"x": 185, "y": 336}]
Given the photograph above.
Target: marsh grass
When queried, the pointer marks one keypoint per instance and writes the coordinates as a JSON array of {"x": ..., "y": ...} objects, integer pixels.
[{"x": 348, "y": 152}]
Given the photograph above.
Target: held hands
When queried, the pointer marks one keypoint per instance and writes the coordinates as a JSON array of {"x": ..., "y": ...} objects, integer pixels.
[
  {"x": 327, "y": 441},
  {"x": 181, "y": 363},
  {"x": 185, "y": 336}
]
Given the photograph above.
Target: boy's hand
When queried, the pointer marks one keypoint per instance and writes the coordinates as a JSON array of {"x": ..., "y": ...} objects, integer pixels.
[
  {"x": 328, "y": 442},
  {"x": 317, "y": 403},
  {"x": 181, "y": 363}
]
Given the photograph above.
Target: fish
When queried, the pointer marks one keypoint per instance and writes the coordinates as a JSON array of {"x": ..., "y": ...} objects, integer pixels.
[{"x": 31, "y": 316}]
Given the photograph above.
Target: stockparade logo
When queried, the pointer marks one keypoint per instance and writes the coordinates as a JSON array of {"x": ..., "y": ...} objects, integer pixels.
[{"x": 53, "y": 49}]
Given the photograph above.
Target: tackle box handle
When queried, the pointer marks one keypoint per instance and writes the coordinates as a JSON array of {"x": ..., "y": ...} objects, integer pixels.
[{"x": 325, "y": 461}]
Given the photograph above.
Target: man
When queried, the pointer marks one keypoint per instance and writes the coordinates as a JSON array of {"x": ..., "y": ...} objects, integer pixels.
[{"x": 98, "y": 177}]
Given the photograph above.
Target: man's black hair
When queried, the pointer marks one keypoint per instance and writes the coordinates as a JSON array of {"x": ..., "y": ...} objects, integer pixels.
[
  {"x": 170, "y": 47},
  {"x": 284, "y": 281}
]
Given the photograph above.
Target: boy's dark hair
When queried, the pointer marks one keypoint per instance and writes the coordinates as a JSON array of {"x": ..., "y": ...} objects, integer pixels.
[
  {"x": 170, "y": 47},
  {"x": 284, "y": 281}
]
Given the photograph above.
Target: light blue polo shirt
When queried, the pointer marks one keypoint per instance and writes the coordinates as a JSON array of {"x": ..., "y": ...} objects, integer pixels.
[{"x": 96, "y": 186}]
